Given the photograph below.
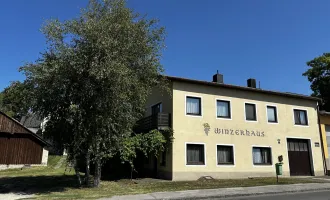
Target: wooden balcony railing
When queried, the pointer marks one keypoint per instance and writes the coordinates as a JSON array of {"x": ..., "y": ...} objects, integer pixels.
[{"x": 160, "y": 121}]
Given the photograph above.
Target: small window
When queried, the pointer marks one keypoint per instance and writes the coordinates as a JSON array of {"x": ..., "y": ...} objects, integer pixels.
[
  {"x": 225, "y": 155},
  {"x": 250, "y": 112},
  {"x": 262, "y": 156},
  {"x": 300, "y": 117},
  {"x": 272, "y": 114},
  {"x": 195, "y": 154},
  {"x": 193, "y": 106},
  {"x": 223, "y": 109}
]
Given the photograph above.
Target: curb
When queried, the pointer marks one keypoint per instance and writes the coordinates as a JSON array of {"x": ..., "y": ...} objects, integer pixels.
[
  {"x": 248, "y": 195},
  {"x": 227, "y": 192}
]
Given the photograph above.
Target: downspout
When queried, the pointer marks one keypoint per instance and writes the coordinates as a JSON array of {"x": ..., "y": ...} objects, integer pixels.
[{"x": 325, "y": 169}]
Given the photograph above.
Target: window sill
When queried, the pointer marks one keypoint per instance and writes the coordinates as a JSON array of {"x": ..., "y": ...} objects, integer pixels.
[
  {"x": 248, "y": 120},
  {"x": 225, "y": 165},
  {"x": 225, "y": 118},
  {"x": 195, "y": 164},
  {"x": 262, "y": 165},
  {"x": 301, "y": 125},
  {"x": 193, "y": 115}
]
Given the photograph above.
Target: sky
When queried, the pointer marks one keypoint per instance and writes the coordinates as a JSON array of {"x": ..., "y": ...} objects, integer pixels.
[{"x": 270, "y": 41}]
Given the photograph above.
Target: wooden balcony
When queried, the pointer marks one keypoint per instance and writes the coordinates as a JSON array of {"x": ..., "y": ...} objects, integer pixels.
[{"x": 160, "y": 121}]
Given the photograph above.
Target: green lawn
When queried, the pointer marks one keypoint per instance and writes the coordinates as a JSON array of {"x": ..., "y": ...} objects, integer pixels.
[{"x": 50, "y": 183}]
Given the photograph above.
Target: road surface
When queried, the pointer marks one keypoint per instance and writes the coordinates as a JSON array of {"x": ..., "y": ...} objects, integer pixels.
[{"x": 319, "y": 195}]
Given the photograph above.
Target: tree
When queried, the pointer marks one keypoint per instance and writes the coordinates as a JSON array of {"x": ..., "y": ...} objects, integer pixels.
[
  {"x": 16, "y": 99},
  {"x": 319, "y": 76},
  {"x": 95, "y": 77},
  {"x": 150, "y": 144}
]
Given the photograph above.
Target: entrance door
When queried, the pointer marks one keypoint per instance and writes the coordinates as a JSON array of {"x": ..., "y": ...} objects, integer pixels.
[
  {"x": 155, "y": 109},
  {"x": 299, "y": 157}
]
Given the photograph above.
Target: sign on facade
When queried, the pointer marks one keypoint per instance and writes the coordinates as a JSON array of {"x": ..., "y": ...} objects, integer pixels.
[{"x": 239, "y": 132}]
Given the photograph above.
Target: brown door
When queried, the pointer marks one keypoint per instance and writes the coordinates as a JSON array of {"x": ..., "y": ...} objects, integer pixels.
[{"x": 299, "y": 157}]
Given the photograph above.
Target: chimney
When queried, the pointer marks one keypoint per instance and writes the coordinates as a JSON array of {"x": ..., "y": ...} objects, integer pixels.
[
  {"x": 251, "y": 82},
  {"x": 218, "y": 78}
]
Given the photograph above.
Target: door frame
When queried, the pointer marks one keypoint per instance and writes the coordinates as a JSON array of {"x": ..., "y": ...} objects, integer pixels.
[{"x": 311, "y": 156}]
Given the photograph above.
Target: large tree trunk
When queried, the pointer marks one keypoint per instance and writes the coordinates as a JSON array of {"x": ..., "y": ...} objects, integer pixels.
[
  {"x": 87, "y": 174},
  {"x": 76, "y": 169},
  {"x": 97, "y": 174}
]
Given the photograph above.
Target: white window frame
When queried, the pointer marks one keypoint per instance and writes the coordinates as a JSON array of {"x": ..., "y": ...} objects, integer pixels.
[
  {"x": 294, "y": 122},
  {"x": 276, "y": 114},
  {"x": 271, "y": 154},
  {"x": 216, "y": 109},
  {"x": 185, "y": 148},
  {"x": 185, "y": 105},
  {"x": 245, "y": 112},
  {"x": 234, "y": 156}
]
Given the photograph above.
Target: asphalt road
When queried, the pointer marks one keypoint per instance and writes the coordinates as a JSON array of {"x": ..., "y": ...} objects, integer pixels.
[{"x": 320, "y": 195}]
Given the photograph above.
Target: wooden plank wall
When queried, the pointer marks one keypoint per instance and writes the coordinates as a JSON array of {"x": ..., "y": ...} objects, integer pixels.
[
  {"x": 19, "y": 149},
  {"x": 8, "y": 125}
]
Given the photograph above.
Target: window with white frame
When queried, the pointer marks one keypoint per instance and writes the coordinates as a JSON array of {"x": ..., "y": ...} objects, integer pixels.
[
  {"x": 193, "y": 106},
  {"x": 300, "y": 117},
  {"x": 272, "y": 114},
  {"x": 225, "y": 155},
  {"x": 262, "y": 156},
  {"x": 195, "y": 154},
  {"x": 223, "y": 109},
  {"x": 250, "y": 112}
]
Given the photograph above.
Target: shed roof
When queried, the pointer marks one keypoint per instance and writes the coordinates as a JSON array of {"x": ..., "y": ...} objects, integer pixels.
[
  {"x": 12, "y": 126},
  {"x": 31, "y": 121}
]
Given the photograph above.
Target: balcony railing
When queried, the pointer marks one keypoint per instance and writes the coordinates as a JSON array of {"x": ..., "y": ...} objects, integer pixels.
[{"x": 160, "y": 121}]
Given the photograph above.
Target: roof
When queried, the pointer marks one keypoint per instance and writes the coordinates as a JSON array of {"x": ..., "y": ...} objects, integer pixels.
[
  {"x": 323, "y": 112},
  {"x": 257, "y": 90},
  {"x": 39, "y": 138},
  {"x": 31, "y": 121}
]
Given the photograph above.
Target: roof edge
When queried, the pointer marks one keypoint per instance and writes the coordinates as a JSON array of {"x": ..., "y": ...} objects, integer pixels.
[
  {"x": 286, "y": 94},
  {"x": 33, "y": 134}
]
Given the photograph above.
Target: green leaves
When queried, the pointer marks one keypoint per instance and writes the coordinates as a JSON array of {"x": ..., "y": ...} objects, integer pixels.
[
  {"x": 16, "y": 100},
  {"x": 319, "y": 76},
  {"x": 152, "y": 143},
  {"x": 95, "y": 77}
]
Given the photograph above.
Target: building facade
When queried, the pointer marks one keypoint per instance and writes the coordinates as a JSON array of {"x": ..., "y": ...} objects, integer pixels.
[
  {"x": 19, "y": 146},
  {"x": 227, "y": 131},
  {"x": 325, "y": 130}
]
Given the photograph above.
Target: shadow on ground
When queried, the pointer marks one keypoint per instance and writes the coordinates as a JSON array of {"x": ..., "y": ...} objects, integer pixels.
[{"x": 37, "y": 184}]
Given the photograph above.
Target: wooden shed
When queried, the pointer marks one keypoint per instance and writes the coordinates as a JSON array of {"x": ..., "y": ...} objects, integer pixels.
[{"x": 18, "y": 145}]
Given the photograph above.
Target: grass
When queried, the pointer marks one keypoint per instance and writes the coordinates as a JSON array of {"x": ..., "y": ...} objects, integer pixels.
[{"x": 50, "y": 183}]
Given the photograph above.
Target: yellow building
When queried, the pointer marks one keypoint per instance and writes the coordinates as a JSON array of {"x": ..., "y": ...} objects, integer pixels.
[
  {"x": 227, "y": 131},
  {"x": 325, "y": 129}
]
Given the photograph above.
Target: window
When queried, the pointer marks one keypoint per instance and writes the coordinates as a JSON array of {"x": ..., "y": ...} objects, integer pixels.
[
  {"x": 297, "y": 145},
  {"x": 195, "y": 154},
  {"x": 262, "y": 156},
  {"x": 300, "y": 117},
  {"x": 193, "y": 106},
  {"x": 272, "y": 114},
  {"x": 225, "y": 155},
  {"x": 250, "y": 112},
  {"x": 223, "y": 109}
]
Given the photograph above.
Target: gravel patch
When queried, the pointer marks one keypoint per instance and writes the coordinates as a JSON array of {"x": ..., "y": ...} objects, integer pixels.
[{"x": 14, "y": 196}]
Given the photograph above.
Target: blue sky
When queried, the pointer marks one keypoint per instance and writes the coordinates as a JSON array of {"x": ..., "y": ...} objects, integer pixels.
[{"x": 267, "y": 40}]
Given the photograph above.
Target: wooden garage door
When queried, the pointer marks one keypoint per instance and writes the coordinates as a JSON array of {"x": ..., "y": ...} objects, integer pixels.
[{"x": 299, "y": 157}]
